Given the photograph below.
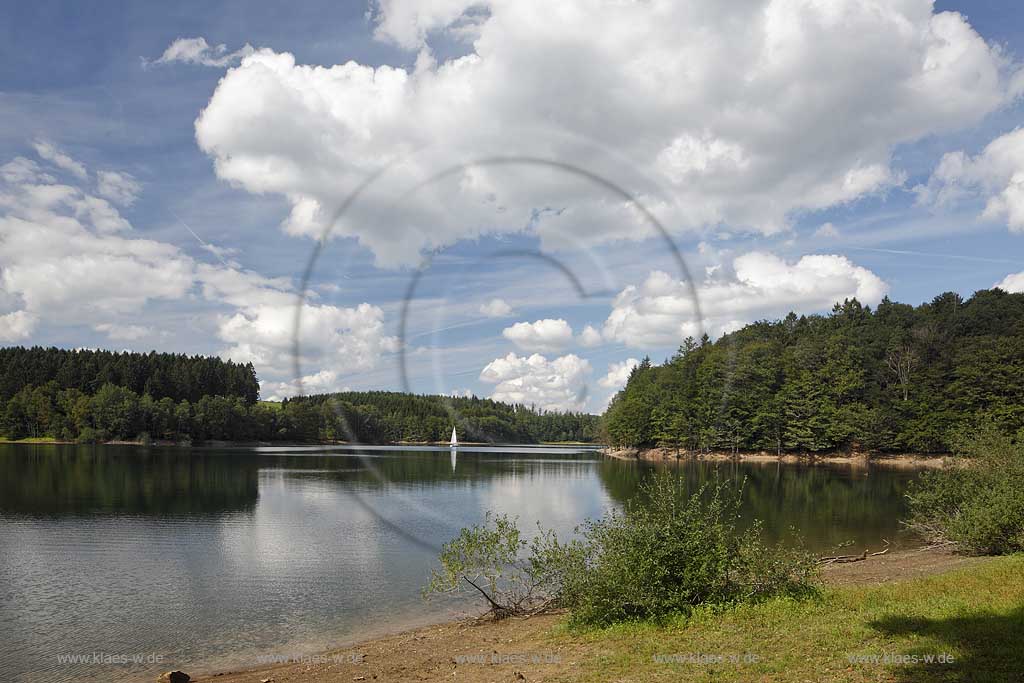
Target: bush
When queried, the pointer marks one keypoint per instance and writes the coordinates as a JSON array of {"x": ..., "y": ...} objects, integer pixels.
[
  {"x": 674, "y": 552},
  {"x": 665, "y": 556},
  {"x": 493, "y": 558},
  {"x": 90, "y": 435},
  {"x": 976, "y": 506}
]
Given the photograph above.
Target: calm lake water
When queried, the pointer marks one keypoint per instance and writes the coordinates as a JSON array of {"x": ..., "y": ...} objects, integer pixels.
[{"x": 210, "y": 559}]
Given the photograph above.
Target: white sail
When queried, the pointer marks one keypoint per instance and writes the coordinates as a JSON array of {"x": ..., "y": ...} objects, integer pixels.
[{"x": 455, "y": 439}]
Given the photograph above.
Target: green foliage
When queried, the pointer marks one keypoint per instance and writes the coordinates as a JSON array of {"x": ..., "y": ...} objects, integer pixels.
[
  {"x": 175, "y": 376},
  {"x": 89, "y": 435},
  {"x": 977, "y": 506},
  {"x": 897, "y": 378},
  {"x": 673, "y": 552},
  {"x": 515, "y": 576},
  {"x": 116, "y": 412},
  {"x": 389, "y": 417},
  {"x": 663, "y": 556}
]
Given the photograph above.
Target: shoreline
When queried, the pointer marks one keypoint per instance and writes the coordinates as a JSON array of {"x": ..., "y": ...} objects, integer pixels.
[
  {"x": 893, "y": 460},
  {"x": 486, "y": 650},
  {"x": 649, "y": 455},
  {"x": 164, "y": 443}
]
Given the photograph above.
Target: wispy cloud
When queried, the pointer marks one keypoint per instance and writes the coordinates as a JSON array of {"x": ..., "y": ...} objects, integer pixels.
[
  {"x": 47, "y": 150},
  {"x": 197, "y": 51}
]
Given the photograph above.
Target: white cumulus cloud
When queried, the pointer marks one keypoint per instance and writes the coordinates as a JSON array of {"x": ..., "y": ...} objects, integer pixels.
[
  {"x": 618, "y": 373},
  {"x": 1013, "y": 283},
  {"x": 17, "y": 326},
  {"x": 590, "y": 337},
  {"x": 336, "y": 339},
  {"x": 661, "y": 312},
  {"x": 67, "y": 255},
  {"x": 70, "y": 258},
  {"x": 731, "y": 108},
  {"x": 995, "y": 175},
  {"x": 407, "y": 23},
  {"x": 558, "y": 384},
  {"x": 323, "y": 382},
  {"x": 496, "y": 308},
  {"x": 350, "y": 338},
  {"x": 548, "y": 335}
]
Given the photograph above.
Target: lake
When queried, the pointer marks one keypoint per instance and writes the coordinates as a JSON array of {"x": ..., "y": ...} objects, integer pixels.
[{"x": 118, "y": 563}]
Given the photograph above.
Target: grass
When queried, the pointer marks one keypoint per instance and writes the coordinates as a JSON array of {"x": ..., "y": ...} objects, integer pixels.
[
  {"x": 30, "y": 439},
  {"x": 974, "y": 616}
]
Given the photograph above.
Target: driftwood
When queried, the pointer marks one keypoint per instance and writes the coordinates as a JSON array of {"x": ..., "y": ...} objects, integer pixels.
[
  {"x": 499, "y": 611},
  {"x": 525, "y": 606},
  {"x": 842, "y": 559}
]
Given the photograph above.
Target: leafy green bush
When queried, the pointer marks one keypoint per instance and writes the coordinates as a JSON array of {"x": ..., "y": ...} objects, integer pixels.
[
  {"x": 514, "y": 575},
  {"x": 659, "y": 557},
  {"x": 673, "y": 552},
  {"x": 978, "y": 505}
]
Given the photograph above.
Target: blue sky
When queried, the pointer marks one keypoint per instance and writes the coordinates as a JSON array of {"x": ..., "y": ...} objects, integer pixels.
[{"x": 161, "y": 192}]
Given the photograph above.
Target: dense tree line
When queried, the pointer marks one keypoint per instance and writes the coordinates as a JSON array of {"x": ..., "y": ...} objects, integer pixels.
[
  {"x": 387, "y": 417},
  {"x": 118, "y": 413},
  {"x": 897, "y": 378},
  {"x": 158, "y": 375}
]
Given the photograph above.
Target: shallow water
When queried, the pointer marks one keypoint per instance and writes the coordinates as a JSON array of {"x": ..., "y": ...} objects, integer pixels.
[{"x": 210, "y": 559}]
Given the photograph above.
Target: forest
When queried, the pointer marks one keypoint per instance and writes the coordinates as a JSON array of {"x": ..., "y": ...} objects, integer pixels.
[
  {"x": 897, "y": 378},
  {"x": 157, "y": 375},
  {"x": 99, "y": 396},
  {"x": 387, "y": 417}
]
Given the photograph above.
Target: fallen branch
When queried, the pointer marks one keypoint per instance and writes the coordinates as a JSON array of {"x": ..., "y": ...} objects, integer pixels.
[
  {"x": 500, "y": 611},
  {"x": 843, "y": 559},
  {"x": 840, "y": 559}
]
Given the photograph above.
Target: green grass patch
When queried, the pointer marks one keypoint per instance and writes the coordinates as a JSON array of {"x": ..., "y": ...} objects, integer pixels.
[
  {"x": 969, "y": 623},
  {"x": 31, "y": 439}
]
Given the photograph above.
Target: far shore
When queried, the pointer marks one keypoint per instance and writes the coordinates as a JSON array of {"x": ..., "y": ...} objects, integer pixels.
[
  {"x": 649, "y": 455},
  {"x": 541, "y": 648},
  {"x": 860, "y": 459},
  {"x": 165, "y": 443}
]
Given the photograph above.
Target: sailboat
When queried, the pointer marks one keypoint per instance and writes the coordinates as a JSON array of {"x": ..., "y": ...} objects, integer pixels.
[{"x": 454, "y": 445}]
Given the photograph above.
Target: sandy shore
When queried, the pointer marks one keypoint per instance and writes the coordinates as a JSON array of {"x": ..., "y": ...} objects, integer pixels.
[
  {"x": 452, "y": 651},
  {"x": 669, "y": 455}
]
